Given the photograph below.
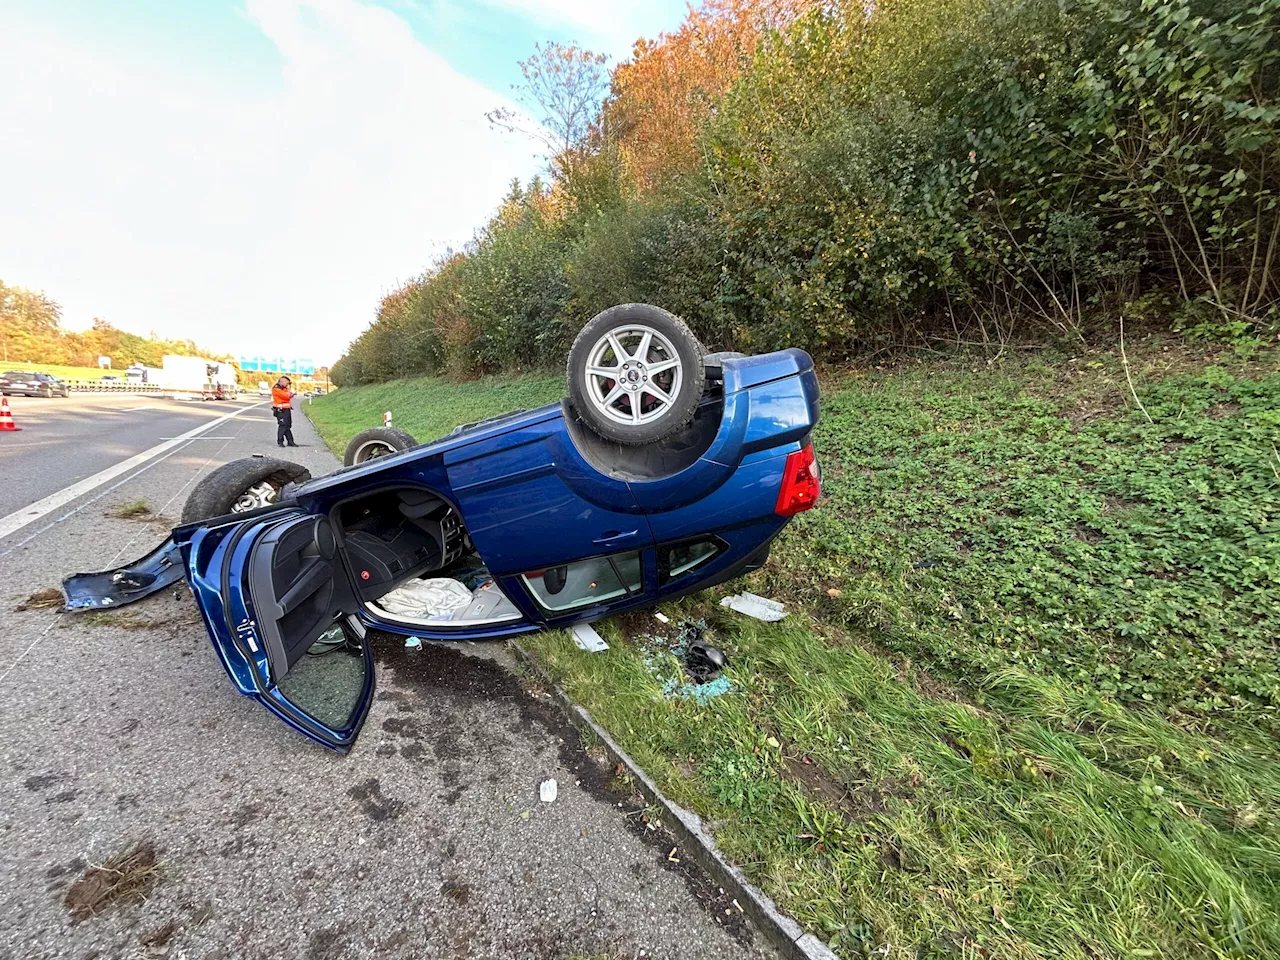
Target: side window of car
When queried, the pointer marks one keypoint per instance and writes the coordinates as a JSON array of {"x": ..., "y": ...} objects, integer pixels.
[
  {"x": 586, "y": 582},
  {"x": 677, "y": 559}
]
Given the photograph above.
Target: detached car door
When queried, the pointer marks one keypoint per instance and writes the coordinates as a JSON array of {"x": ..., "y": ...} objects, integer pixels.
[{"x": 281, "y": 613}]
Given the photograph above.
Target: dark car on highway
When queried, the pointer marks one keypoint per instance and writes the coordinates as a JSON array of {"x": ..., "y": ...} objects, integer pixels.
[
  {"x": 30, "y": 384},
  {"x": 665, "y": 471}
]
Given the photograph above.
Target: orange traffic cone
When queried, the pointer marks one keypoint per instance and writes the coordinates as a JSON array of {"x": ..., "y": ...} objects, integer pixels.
[{"x": 6, "y": 416}]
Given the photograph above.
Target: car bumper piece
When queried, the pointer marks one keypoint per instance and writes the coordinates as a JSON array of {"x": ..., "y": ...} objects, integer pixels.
[{"x": 160, "y": 568}]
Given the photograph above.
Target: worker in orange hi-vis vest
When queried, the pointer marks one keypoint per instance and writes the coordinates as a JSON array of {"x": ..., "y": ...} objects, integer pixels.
[{"x": 282, "y": 396}]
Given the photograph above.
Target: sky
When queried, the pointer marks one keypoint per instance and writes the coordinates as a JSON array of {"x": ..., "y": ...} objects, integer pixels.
[{"x": 255, "y": 174}]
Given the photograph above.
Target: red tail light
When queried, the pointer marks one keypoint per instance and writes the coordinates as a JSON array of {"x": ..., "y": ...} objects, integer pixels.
[{"x": 801, "y": 483}]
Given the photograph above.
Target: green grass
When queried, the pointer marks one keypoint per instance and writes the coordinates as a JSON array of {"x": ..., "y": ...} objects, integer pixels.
[
  {"x": 1026, "y": 703},
  {"x": 132, "y": 510},
  {"x": 426, "y": 407},
  {"x": 63, "y": 373}
]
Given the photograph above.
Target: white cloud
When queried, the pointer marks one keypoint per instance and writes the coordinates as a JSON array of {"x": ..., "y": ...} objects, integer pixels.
[{"x": 265, "y": 218}]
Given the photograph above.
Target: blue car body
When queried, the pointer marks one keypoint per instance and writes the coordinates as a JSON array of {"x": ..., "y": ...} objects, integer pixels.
[{"x": 542, "y": 502}]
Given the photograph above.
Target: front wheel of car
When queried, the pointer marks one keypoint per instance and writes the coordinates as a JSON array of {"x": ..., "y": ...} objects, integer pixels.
[
  {"x": 376, "y": 442},
  {"x": 240, "y": 486},
  {"x": 635, "y": 374}
]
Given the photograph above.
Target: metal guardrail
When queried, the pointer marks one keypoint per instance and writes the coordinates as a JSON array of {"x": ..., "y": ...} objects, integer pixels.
[
  {"x": 125, "y": 386},
  {"x": 111, "y": 386}
]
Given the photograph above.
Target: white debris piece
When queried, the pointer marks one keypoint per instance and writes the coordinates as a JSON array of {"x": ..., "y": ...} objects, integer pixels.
[
  {"x": 547, "y": 790},
  {"x": 661, "y": 617},
  {"x": 585, "y": 636},
  {"x": 412, "y": 643},
  {"x": 761, "y": 608}
]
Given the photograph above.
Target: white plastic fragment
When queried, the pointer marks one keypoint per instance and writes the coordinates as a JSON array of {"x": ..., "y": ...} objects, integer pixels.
[
  {"x": 585, "y": 636},
  {"x": 661, "y": 617},
  {"x": 761, "y": 608},
  {"x": 547, "y": 790}
]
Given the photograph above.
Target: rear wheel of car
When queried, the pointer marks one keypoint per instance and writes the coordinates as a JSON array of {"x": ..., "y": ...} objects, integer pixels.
[
  {"x": 635, "y": 373},
  {"x": 240, "y": 486},
  {"x": 377, "y": 442}
]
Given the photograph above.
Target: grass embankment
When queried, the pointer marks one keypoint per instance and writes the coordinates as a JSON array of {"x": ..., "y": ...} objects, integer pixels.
[
  {"x": 426, "y": 407},
  {"x": 1026, "y": 703},
  {"x": 64, "y": 373}
]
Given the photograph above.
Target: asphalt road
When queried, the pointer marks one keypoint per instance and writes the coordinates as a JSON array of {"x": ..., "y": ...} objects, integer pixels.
[
  {"x": 427, "y": 840},
  {"x": 65, "y": 439}
]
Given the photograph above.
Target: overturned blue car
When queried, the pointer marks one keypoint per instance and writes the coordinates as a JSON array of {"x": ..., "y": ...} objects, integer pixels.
[{"x": 665, "y": 471}]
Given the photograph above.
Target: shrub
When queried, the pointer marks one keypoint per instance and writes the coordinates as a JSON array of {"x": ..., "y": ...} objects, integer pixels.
[{"x": 865, "y": 178}]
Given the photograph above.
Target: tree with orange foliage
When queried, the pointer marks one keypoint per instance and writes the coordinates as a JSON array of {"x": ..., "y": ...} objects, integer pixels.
[{"x": 665, "y": 93}]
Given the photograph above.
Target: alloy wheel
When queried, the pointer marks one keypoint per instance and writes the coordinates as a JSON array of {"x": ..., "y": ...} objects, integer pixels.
[{"x": 633, "y": 374}]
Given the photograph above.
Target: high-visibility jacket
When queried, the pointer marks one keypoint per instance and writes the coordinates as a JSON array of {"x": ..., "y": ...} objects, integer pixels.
[{"x": 281, "y": 397}]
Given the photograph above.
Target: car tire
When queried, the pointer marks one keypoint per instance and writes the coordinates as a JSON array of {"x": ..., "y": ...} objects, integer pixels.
[
  {"x": 376, "y": 442},
  {"x": 629, "y": 412},
  {"x": 241, "y": 485}
]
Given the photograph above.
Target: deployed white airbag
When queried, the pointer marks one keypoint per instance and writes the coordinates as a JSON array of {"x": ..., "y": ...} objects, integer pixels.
[{"x": 423, "y": 599}]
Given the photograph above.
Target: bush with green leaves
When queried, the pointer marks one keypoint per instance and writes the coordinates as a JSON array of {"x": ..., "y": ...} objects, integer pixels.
[
  {"x": 954, "y": 169},
  {"x": 911, "y": 171}
]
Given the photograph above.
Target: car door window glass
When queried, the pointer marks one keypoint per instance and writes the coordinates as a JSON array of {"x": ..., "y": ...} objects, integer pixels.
[
  {"x": 585, "y": 582},
  {"x": 326, "y": 683},
  {"x": 677, "y": 559}
]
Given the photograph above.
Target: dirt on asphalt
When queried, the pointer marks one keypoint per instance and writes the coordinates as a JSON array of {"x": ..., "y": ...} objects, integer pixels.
[
  {"x": 124, "y": 877},
  {"x": 439, "y": 671}
]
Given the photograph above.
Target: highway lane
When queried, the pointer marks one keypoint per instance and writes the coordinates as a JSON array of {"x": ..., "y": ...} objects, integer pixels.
[{"x": 65, "y": 440}]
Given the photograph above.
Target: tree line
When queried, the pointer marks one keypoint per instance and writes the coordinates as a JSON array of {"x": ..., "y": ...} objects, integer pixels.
[
  {"x": 31, "y": 331},
  {"x": 854, "y": 178}
]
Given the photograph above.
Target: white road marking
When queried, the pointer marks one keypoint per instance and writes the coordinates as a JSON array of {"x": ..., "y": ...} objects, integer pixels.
[
  {"x": 197, "y": 438},
  {"x": 30, "y": 647},
  {"x": 179, "y": 492},
  {"x": 33, "y": 512}
]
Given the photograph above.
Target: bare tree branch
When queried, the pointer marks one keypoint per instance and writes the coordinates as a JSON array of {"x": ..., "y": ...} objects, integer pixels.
[{"x": 561, "y": 93}]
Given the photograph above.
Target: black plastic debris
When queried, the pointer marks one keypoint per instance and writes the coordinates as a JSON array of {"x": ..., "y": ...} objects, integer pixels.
[{"x": 704, "y": 662}]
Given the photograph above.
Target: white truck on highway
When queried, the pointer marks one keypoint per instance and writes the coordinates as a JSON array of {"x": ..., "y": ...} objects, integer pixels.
[
  {"x": 189, "y": 378},
  {"x": 139, "y": 373}
]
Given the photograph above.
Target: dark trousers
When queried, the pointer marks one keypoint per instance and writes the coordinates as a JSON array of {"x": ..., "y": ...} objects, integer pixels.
[{"x": 284, "y": 428}]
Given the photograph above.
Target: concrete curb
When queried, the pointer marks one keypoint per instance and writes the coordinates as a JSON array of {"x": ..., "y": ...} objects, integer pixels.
[{"x": 784, "y": 932}]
